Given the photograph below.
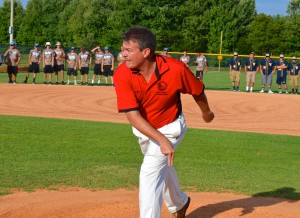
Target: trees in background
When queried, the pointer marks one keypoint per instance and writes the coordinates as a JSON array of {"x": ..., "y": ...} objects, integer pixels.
[{"x": 178, "y": 24}]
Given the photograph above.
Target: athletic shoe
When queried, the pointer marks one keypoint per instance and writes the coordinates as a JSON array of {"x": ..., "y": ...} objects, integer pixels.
[
  {"x": 270, "y": 92},
  {"x": 81, "y": 83},
  {"x": 45, "y": 83},
  {"x": 92, "y": 84},
  {"x": 50, "y": 83},
  {"x": 62, "y": 82},
  {"x": 181, "y": 213},
  {"x": 292, "y": 93},
  {"x": 262, "y": 91},
  {"x": 33, "y": 83},
  {"x": 286, "y": 92},
  {"x": 68, "y": 83},
  {"x": 280, "y": 92},
  {"x": 86, "y": 83},
  {"x": 56, "y": 83}
]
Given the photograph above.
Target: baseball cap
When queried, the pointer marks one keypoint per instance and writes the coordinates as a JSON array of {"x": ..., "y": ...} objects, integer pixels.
[
  {"x": 106, "y": 48},
  {"x": 58, "y": 43},
  {"x": 281, "y": 56},
  {"x": 48, "y": 43},
  {"x": 36, "y": 45},
  {"x": 294, "y": 58},
  {"x": 12, "y": 44},
  {"x": 235, "y": 54},
  {"x": 267, "y": 55},
  {"x": 166, "y": 49},
  {"x": 72, "y": 48},
  {"x": 252, "y": 53}
]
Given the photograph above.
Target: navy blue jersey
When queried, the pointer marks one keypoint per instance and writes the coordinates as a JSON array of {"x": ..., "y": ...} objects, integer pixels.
[
  {"x": 294, "y": 68},
  {"x": 251, "y": 65},
  {"x": 267, "y": 66},
  {"x": 235, "y": 64},
  {"x": 282, "y": 72}
]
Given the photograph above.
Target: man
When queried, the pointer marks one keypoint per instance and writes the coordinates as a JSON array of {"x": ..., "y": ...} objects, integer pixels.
[
  {"x": 98, "y": 62},
  {"x": 294, "y": 74},
  {"x": 235, "y": 72},
  {"x": 282, "y": 67},
  {"x": 148, "y": 90},
  {"x": 84, "y": 60},
  {"x": 267, "y": 68},
  {"x": 185, "y": 58},
  {"x": 12, "y": 58},
  {"x": 34, "y": 63},
  {"x": 59, "y": 64},
  {"x": 48, "y": 62},
  {"x": 72, "y": 60},
  {"x": 120, "y": 58},
  {"x": 201, "y": 63},
  {"x": 251, "y": 69},
  {"x": 108, "y": 66},
  {"x": 165, "y": 52}
]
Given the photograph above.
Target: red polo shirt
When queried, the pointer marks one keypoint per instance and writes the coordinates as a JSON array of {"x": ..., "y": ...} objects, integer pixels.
[{"x": 158, "y": 101}]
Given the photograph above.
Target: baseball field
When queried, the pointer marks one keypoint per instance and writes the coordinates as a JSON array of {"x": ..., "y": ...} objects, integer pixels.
[{"x": 66, "y": 152}]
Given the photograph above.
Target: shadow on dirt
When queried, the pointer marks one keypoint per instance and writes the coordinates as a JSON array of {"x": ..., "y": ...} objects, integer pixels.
[{"x": 263, "y": 199}]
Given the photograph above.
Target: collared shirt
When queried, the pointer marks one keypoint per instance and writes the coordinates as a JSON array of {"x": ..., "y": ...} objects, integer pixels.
[
  {"x": 267, "y": 66},
  {"x": 158, "y": 101},
  {"x": 294, "y": 68},
  {"x": 235, "y": 64},
  {"x": 185, "y": 59},
  {"x": 282, "y": 72},
  {"x": 251, "y": 65}
]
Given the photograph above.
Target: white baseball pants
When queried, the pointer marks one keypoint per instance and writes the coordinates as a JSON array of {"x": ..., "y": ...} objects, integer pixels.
[{"x": 158, "y": 180}]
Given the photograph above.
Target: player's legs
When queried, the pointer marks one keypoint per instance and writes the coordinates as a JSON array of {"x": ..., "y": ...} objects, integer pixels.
[
  {"x": 157, "y": 180},
  {"x": 62, "y": 73}
]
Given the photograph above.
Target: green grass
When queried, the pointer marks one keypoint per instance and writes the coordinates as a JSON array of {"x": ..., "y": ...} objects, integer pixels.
[{"x": 50, "y": 153}]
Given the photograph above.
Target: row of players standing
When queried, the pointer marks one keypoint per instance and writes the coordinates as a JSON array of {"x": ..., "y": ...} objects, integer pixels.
[
  {"x": 53, "y": 61},
  {"x": 267, "y": 68},
  {"x": 200, "y": 62}
]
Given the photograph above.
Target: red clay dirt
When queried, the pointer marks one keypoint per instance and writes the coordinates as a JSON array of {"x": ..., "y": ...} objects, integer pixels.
[{"x": 250, "y": 112}]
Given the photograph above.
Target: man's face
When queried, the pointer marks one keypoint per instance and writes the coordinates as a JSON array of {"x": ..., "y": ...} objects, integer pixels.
[
  {"x": 48, "y": 46},
  {"x": 134, "y": 57},
  {"x": 251, "y": 56},
  {"x": 293, "y": 61},
  {"x": 268, "y": 58}
]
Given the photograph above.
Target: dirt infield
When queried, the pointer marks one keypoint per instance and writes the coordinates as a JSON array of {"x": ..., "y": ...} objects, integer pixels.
[{"x": 251, "y": 112}]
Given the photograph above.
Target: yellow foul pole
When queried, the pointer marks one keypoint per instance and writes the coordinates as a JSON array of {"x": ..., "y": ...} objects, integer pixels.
[{"x": 220, "y": 56}]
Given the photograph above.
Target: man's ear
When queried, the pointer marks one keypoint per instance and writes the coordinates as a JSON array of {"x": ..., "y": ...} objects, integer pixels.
[{"x": 146, "y": 52}]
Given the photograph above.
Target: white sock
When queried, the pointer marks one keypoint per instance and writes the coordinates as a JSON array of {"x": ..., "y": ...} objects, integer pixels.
[
  {"x": 99, "y": 81},
  {"x": 92, "y": 81},
  {"x": 251, "y": 88},
  {"x": 247, "y": 88}
]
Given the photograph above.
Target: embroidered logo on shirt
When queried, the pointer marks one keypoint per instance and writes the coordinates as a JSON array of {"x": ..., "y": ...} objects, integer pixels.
[{"x": 162, "y": 86}]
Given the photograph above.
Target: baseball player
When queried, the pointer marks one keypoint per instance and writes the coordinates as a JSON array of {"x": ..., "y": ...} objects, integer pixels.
[
  {"x": 34, "y": 63},
  {"x": 120, "y": 58},
  {"x": 108, "y": 65},
  {"x": 59, "y": 64},
  {"x": 251, "y": 69},
  {"x": 84, "y": 60},
  {"x": 267, "y": 68},
  {"x": 282, "y": 68},
  {"x": 235, "y": 67},
  {"x": 12, "y": 58},
  {"x": 166, "y": 52},
  {"x": 201, "y": 63},
  {"x": 48, "y": 62},
  {"x": 72, "y": 60},
  {"x": 148, "y": 88},
  {"x": 98, "y": 62},
  {"x": 185, "y": 58},
  {"x": 294, "y": 74}
]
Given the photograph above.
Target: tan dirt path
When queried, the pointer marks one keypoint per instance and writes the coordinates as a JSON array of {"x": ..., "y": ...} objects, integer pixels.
[{"x": 251, "y": 112}]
